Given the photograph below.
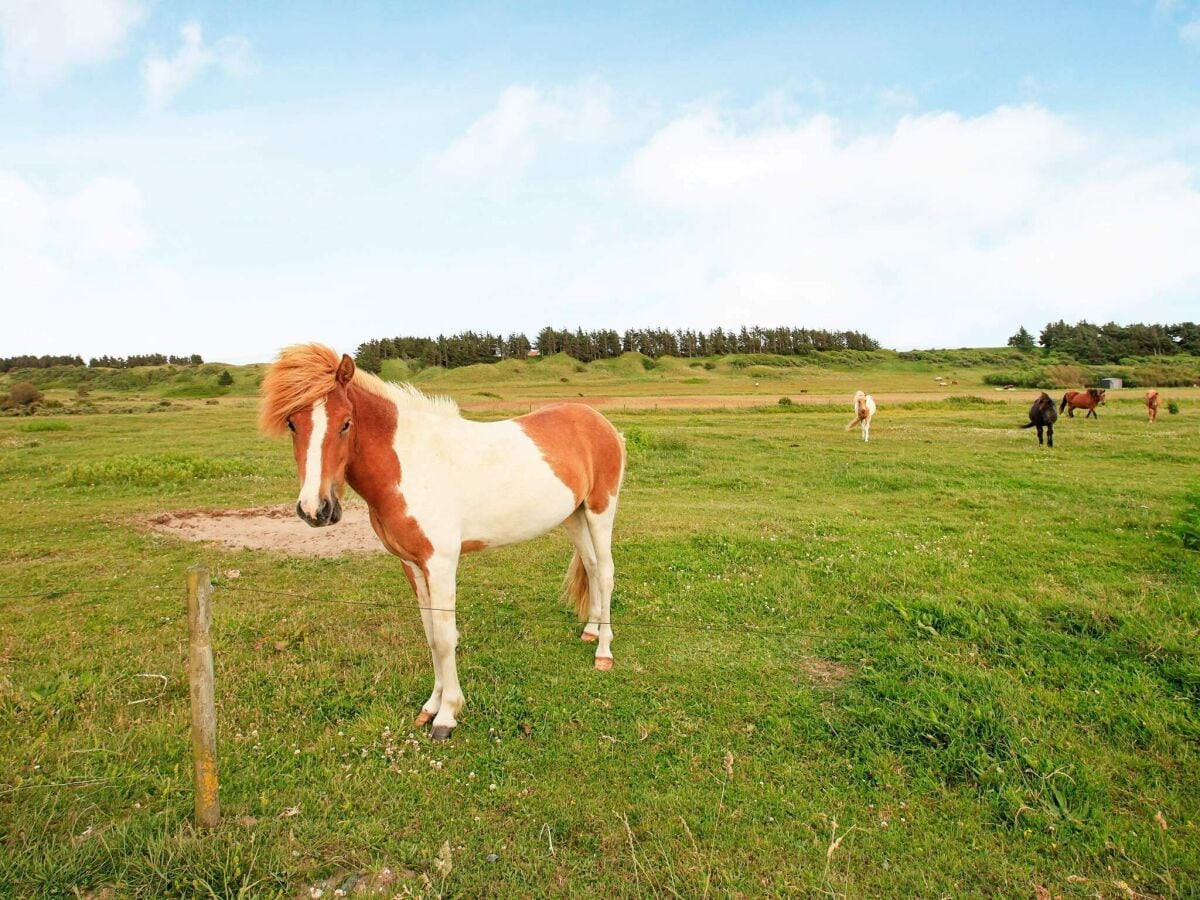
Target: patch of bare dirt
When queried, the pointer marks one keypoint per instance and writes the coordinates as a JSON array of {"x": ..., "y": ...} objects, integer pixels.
[
  {"x": 272, "y": 528},
  {"x": 825, "y": 672}
]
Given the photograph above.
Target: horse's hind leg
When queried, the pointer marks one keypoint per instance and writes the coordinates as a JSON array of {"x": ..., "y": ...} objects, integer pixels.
[
  {"x": 600, "y": 526},
  {"x": 1049, "y": 435},
  {"x": 1039, "y": 431},
  {"x": 577, "y": 526}
]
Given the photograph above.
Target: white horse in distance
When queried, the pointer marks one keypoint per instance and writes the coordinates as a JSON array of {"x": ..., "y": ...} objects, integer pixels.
[{"x": 864, "y": 409}]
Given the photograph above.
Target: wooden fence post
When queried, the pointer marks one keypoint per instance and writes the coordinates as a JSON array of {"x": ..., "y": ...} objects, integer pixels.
[{"x": 204, "y": 710}]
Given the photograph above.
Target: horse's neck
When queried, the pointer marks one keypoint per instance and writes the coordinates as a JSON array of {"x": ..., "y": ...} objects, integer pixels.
[{"x": 373, "y": 469}]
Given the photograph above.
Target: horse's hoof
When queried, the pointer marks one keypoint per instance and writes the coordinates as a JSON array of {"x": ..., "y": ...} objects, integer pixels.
[
  {"x": 588, "y": 638},
  {"x": 423, "y": 719},
  {"x": 441, "y": 732},
  {"x": 604, "y": 663}
]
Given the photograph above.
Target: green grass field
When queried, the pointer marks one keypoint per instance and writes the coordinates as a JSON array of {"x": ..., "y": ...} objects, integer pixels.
[{"x": 947, "y": 663}]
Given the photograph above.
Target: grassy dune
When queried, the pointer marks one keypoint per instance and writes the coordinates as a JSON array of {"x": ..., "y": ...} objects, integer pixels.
[
  {"x": 946, "y": 662},
  {"x": 633, "y": 378}
]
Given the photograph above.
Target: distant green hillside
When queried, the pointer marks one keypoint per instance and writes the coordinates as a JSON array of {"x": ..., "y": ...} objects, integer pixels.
[
  {"x": 831, "y": 373},
  {"x": 158, "y": 381}
]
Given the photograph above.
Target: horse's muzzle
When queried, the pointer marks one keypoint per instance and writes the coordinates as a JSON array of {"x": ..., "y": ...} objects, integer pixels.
[{"x": 328, "y": 513}]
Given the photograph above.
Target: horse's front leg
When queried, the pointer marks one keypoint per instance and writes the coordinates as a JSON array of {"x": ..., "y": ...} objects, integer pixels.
[
  {"x": 441, "y": 577},
  {"x": 421, "y": 588}
]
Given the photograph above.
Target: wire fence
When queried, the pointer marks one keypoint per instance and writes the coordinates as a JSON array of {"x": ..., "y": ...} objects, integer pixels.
[
  {"x": 560, "y": 620},
  {"x": 620, "y": 622}
]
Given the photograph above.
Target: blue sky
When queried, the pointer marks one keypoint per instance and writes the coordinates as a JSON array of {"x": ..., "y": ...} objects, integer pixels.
[{"x": 226, "y": 179}]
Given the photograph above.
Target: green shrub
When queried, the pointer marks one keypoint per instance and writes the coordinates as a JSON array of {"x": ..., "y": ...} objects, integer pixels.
[
  {"x": 225, "y": 379},
  {"x": 23, "y": 393},
  {"x": 637, "y": 441},
  {"x": 44, "y": 425},
  {"x": 785, "y": 401},
  {"x": 155, "y": 469},
  {"x": 1173, "y": 407},
  {"x": 766, "y": 359}
]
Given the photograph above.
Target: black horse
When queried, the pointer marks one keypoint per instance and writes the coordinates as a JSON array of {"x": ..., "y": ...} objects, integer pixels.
[{"x": 1043, "y": 415}]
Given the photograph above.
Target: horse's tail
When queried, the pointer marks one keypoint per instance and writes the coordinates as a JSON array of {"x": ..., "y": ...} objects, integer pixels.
[
  {"x": 1063, "y": 405},
  {"x": 575, "y": 587},
  {"x": 1028, "y": 425}
]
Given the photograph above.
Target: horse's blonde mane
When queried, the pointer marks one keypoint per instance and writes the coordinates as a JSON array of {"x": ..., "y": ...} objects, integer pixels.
[{"x": 304, "y": 373}]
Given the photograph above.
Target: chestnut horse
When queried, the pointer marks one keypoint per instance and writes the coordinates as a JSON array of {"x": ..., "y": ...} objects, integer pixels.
[
  {"x": 438, "y": 485},
  {"x": 864, "y": 409},
  {"x": 1043, "y": 415},
  {"x": 1152, "y": 405},
  {"x": 1089, "y": 400}
]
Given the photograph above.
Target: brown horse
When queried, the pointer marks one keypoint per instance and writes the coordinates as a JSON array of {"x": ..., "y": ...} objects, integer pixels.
[
  {"x": 1152, "y": 405},
  {"x": 1089, "y": 400}
]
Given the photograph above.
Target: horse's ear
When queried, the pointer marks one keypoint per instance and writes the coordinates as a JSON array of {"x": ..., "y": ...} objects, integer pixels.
[{"x": 345, "y": 370}]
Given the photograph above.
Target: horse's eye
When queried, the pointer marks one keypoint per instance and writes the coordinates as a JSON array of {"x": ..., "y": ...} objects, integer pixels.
[
  {"x": 291, "y": 426},
  {"x": 346, "y": 427}
]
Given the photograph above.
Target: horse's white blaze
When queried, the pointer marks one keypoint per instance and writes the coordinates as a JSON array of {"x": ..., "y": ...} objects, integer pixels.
[{"x": 310, "y": 490}]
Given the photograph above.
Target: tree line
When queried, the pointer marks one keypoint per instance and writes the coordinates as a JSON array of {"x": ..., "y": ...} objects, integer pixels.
[
  {"x": 1100, "y": 344},
  {"x": 470, "y": 347},
  {"x": 10, "y": 363},
  {"x": 148, "y": 359}
]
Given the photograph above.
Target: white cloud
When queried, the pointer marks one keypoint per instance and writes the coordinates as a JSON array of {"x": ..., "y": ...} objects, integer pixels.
[
  {"x": 1189, "y": 32},
  {"x": 942, "y": 228},
  {"x": 503, "y": 143},
  {"x": 82, "y": 255},
  {"x": 165, "y": 77},
  {"x": 44, "y": 39},
  {"x": 101, "y": 222}
]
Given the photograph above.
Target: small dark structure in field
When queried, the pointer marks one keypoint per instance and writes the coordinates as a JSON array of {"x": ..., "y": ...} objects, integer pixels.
[{"x": 1043, "y": 415}]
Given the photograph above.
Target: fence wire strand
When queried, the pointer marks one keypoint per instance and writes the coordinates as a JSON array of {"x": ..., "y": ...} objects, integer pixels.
[{"x": 709, "y": 627}]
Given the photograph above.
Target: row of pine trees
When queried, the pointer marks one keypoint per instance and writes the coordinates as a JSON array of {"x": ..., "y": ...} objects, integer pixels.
[
  {"x": 1099, "y": 344},
  {"x": 470, "y": 347},
  {"x": 10, "y": 363}
]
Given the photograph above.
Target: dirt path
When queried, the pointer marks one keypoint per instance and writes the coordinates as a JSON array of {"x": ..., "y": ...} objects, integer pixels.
[
  {"x": 733, "y": 401},
  {"x": 272, "y": 528}
]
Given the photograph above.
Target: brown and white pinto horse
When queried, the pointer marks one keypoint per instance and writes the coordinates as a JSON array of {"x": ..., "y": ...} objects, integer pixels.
[
  {"x": 438, "y": 485},
  {"x": 1089, "y": 400},
  {"x": 1152, "y": 405}
]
